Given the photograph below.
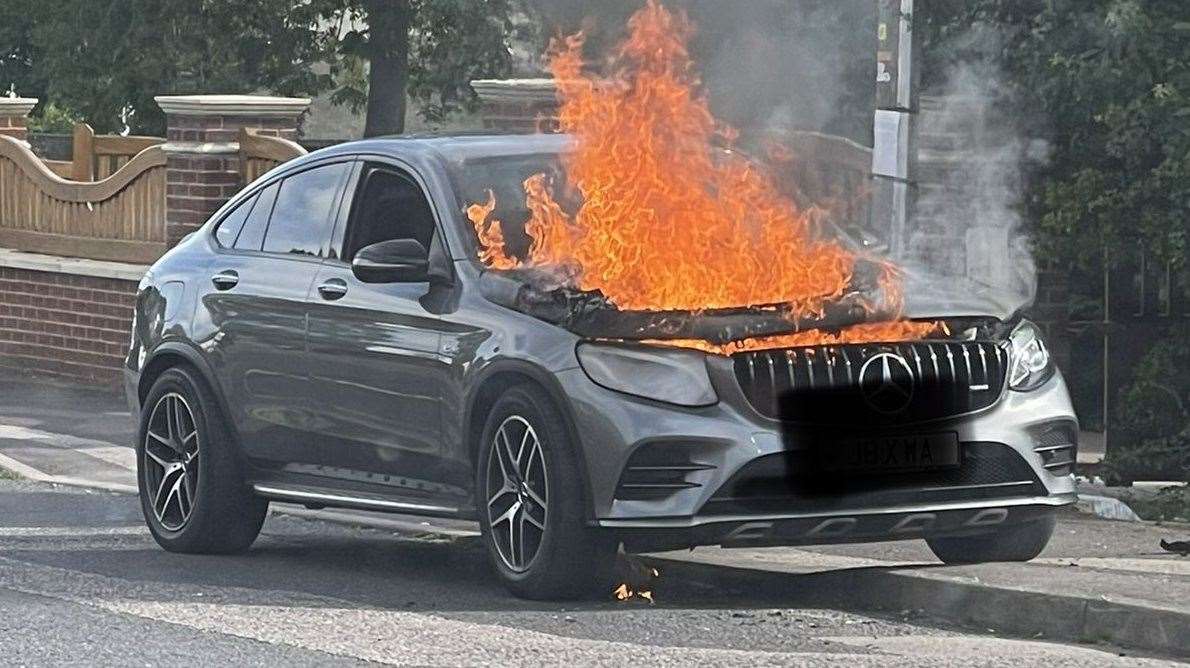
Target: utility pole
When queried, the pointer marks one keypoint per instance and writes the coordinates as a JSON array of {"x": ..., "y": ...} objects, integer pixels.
[{"x": 894, "y": 154}]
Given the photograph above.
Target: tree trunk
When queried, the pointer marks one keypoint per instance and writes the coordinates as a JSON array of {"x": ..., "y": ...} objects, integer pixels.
[{"x": 388, "y": 75}]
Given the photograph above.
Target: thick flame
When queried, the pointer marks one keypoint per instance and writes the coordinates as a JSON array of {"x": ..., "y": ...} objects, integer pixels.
[{"x": 667, "y": 221}]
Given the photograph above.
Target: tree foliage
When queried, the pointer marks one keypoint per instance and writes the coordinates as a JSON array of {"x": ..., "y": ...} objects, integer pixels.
[
  {"x": 107, "y": 59},
  {"x": 1107, "y": 83}
]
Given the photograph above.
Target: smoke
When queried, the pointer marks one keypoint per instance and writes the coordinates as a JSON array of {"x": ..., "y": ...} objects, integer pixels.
[
  {"x": 974, "y": 152},
  {"x": 775, "y": 65},
  {"x": 766, "y": 65}
]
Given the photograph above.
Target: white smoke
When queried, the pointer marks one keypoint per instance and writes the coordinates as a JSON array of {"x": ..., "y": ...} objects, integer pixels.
[{"x": 973, "y": 156}]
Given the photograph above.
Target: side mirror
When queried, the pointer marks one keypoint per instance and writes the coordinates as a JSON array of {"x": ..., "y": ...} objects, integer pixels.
[{"x": 395, "y": 261}]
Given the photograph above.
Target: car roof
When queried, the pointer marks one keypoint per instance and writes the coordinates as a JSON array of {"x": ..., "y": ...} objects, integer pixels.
[{"x": 454, "y": 148}]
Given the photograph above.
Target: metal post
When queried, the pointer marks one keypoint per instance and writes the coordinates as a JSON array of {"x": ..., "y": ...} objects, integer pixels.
[{"x": 894, "y": 154}]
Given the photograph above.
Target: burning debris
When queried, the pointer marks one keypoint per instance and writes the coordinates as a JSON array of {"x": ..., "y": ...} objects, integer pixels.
[
  {"x": 672, "y": 238},
  {"x": 636, "y": 578}
]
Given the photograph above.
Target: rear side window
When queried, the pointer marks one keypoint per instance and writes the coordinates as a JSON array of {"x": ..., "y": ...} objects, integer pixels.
[
  {"x": 301, "y": 221},
  {"x": 252, "y": 235},
  {"x": 229, "y": 228}
]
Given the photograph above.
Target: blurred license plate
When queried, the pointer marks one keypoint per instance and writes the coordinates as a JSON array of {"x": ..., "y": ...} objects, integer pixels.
[{"x": 913, "y": 452}]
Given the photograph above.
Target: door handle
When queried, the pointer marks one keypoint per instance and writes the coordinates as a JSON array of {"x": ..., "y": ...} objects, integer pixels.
[
  {"x": 333, "y": 289},
  {"x": 225, "y": 280}
]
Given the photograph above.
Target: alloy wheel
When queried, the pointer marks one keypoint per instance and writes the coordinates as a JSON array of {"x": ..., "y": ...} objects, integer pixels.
[
  {"x": 518, "y": 484},
  {"x": 171, "y": 451}
]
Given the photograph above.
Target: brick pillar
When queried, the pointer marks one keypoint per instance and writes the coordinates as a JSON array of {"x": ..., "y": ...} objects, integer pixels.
[
  {"x": 13, "y": 112},
  {"x": 203, "y": 154},
  {"x": 518, "y": 105}
]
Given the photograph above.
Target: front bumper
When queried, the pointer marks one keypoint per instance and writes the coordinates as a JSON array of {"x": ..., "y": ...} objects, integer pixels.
[{"x": 725, "y": 438}]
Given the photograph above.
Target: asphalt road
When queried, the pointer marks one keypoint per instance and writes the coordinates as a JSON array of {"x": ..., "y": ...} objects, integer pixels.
[{"x": 81, "y": 582}]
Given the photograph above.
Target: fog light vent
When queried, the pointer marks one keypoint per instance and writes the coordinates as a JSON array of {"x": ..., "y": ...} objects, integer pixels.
[
  {"x": 1057, "y": 443},
  {"x": 659, "y": 470}
]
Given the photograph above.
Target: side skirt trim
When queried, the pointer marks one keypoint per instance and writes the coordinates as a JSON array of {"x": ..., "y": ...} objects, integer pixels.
[{"x": 342, "y": 500}]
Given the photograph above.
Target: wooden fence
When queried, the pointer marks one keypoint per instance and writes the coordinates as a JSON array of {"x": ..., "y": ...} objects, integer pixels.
[
  {"x": 119, "y": 217},
  {"x": 260, "y": 153},
  {"x": 108, "y": 203},
  {"x": 96, "y": 157}
]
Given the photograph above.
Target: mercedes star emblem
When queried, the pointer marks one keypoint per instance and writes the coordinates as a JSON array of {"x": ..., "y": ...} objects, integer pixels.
[{"x": 886, "y": 382}]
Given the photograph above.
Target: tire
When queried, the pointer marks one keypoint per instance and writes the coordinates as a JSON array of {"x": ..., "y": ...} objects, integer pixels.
[
  {"x": 565, "y": 558},
  {"x": 207, "y": 507},
  {"x": 1021, "y": 542}
]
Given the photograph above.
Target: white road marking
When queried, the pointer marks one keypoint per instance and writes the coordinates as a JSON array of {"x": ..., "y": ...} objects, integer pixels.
[
  {"x": 123, "y": 457},
  {"x": 30, "y": 473},
  {"x": 71, "y": 532}
]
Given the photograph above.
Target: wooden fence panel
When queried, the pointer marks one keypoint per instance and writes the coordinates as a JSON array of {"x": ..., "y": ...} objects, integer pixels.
[
  {"x": 97, "y": 157},
  {"x": 121, "y": 217},
  {"x": 259, "y": 154}
]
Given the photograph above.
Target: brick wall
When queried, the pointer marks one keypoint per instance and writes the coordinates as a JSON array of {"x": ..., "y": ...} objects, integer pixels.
[
  {"x": 13, "y": 111},
  {"x": 65, "y": 324},
  {"x": 13, "y": 126},
  {"x": 197, "y": 184},
  {"x": 518, "y": 105}
]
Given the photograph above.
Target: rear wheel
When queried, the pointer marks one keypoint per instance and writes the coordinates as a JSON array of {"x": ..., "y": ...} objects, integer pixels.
[
  {"x": 531, "y": 508},
  {"x": 192, "y": 491},
  {"x": 1020, "y": 542}
]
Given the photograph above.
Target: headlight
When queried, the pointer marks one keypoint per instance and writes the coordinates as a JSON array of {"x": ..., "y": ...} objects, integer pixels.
[
  {"x": 670, "y": 375},
  {"x": 1031, "y": 362}
]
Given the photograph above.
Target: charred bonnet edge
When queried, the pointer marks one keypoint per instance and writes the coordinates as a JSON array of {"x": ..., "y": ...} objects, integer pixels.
[{"x": 592, "y": 314}]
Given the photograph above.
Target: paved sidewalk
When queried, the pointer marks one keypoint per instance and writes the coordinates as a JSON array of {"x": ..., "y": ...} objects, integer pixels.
[{"x": 1099, "y": 581}]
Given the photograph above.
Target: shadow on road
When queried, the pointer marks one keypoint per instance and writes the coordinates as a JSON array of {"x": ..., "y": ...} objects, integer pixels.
[{"x": 372, "y": 569}]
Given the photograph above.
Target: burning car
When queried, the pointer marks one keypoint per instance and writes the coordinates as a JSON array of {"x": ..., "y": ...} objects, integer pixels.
[{"x": 620, "y": 334}]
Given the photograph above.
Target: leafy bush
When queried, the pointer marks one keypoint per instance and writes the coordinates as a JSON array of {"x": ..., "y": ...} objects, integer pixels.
[
  {"x": 1151, "y": 438},
  {"x": 1155, "y": 404},
  {"x": 1157, "y": 459},
  {"x": 54, "y": 119}
]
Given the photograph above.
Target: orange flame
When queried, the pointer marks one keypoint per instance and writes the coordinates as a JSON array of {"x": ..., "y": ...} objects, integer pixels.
[{"x": 666, "y": 221}]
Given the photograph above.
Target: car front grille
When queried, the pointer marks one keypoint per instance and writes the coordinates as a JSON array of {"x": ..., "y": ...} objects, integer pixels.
[
  {"x": 878, "y": 384},
  {"x": 791, "y": 482}
]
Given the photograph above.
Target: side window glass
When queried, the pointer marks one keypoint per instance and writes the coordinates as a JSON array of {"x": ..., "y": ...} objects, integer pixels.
[
  {"x": 390, "y": 205},
  {"x": 229, "y": 228},
  {"x": 252, "y": 236},
  {"x": 301, "y": 221}
]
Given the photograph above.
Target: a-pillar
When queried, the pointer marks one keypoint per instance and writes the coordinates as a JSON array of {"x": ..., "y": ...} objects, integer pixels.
[
  {"x": 203, "y": 152},
  {"x": 13, "y": 114}
]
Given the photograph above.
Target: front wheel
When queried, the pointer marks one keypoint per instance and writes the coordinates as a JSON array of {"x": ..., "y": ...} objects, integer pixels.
[
  {"x": 1021, "y": 542},
  {"x": 531, "y": 507}
]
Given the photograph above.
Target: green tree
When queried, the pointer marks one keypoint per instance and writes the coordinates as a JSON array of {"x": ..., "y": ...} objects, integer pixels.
[
  {"x": 107, "y": 59},
  {"x": 17, "y": 52},
  {"x": 1107, "y": 82},
  {"x": 425, "y": 49}
]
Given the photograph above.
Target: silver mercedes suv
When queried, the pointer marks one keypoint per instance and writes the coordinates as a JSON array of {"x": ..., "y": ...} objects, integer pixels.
[{"x": 329, "y": 338}]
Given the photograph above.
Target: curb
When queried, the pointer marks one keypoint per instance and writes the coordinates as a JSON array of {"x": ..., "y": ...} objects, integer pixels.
[{"x": 1014, "y": 612}]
